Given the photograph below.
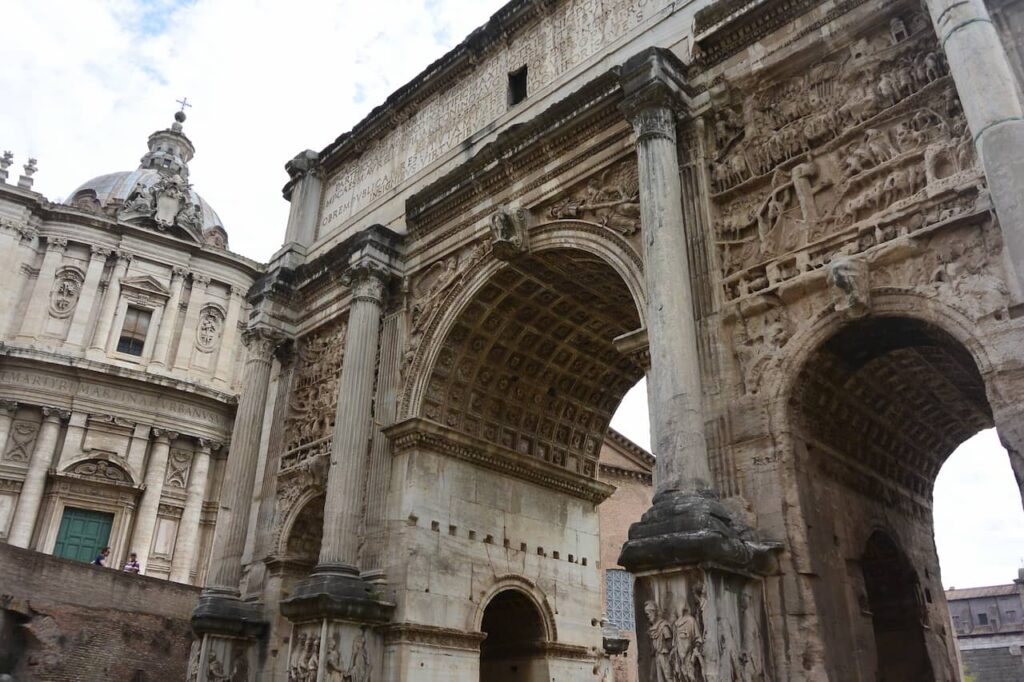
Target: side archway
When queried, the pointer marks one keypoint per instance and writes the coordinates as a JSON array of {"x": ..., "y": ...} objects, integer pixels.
[{"x": 517, "y": 631}]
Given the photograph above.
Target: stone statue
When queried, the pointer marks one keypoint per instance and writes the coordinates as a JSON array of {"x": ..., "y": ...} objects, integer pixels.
[
  {"x": 300, "y": 649},
  {"x": 660, "y": 635},
  {"x": 848, "y": 281},
  {"x": 239, "y": 666},
  {"x": 141, "y": 202},
  {"x": 215, "y": 669}
]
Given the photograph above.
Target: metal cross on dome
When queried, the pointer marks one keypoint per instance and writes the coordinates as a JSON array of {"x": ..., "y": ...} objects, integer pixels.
[{"x": 184, "y": 103}]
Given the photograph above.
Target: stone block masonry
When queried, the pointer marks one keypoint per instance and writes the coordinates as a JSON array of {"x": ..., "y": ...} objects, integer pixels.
[{"x": 65, "y": 620}]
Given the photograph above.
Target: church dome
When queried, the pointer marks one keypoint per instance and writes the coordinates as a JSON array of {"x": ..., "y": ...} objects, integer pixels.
[{"x": 157, "y": 193}]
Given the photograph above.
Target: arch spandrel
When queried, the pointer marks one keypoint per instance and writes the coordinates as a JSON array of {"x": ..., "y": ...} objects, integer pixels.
[{"x": 521, "y": 352}]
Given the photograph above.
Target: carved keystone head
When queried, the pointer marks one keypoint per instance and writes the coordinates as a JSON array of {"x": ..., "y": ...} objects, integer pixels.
[
  {"x": 509, "y": 232},
  {"x": 848, "y": 281}
]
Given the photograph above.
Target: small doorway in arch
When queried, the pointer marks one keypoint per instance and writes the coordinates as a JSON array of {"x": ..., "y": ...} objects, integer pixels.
[{"x": 514, "y": 649}]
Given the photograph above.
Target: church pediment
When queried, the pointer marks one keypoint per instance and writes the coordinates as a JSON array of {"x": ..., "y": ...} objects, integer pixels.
[{"x": 146, "y": 285}]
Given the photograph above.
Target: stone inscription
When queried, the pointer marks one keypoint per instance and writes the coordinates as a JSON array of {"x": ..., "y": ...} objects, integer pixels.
[
  {"x": 571, "y": 34},
  {"x": 156, "y": 404}
]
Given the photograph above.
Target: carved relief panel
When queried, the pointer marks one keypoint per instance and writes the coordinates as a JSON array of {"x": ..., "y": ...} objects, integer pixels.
[
  {"x": 610, "y": 198},
  {"x": 67, "y": 287},
  {"x": 21, "y": 441},
  {"x": 178, "y": 465},
  {"x": 867, "y": 145},
  {"x": 210, "y": 328},
  {"x": 697, "y": 626},
  {"x": 314, "y": 396}
]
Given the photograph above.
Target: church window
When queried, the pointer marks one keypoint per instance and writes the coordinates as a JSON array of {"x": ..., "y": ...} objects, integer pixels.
[
  {"x": 133, "y": 331},
  {"x": 517, "y": 86},
  {"x": 619, "y": 598},
  {"x": 982, "y": 619}
]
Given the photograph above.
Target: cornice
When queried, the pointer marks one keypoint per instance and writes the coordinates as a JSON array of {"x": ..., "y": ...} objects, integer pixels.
[
  {"x": 620, "y": 472},
  {"x": 645, "y": 457},
  {"x": 429, "y": 635},
  {"x": 418, "y": 433}
]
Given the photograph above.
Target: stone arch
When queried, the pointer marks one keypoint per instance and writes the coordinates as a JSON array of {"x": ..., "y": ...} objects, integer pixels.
[
  {"x": 523, "y": 355},
  {"x": 865, "y": 413},
  {"x": 101, "y": 470},
  {"x": 576, "y": 234},
  {"x": 302, "y": 526},
  {"x": 526, "y": 587},
  {"x": 517, "y": 634}
]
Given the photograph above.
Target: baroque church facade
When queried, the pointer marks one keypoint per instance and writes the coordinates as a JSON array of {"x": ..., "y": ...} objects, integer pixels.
[
  {"x": 799, "y": 220},
  {"x": 122, "y": 324}
]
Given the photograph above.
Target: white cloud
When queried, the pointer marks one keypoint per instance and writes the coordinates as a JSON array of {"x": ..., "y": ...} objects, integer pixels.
[{"x": 85, "y": 82}]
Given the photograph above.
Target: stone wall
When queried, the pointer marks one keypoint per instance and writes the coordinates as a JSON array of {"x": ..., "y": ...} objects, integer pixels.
[
  {"x": 994, "y": 665},
  {"x": 64, "y": 620}
]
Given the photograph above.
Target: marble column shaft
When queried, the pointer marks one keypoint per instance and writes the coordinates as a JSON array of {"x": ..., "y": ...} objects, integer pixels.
[
  {"x": 145, "y": 517},
  {"x": 243, "y": 459},
  {"x": 187, "y": 342},
  {"x": 101, "y": 337},
  {"x": 169, "y": 320},
  {"x": 653, "y": 98},
  {"x": 188, "y": 528},
  {"x": 31, "y": 497},
  {"x": 39, "y": 305},
  {"x": 226, "y": 355},
  {"x": 87, "y": 297},
  {"x": 352, "y": 425},
  {"x": 986, "y": 85}
]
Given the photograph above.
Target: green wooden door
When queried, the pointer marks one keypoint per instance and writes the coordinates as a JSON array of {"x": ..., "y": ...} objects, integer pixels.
[{"x": 83, "y": 533}]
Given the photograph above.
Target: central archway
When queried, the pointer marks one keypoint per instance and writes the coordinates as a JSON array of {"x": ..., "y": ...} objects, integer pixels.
[{"x": 513, "y": 650}]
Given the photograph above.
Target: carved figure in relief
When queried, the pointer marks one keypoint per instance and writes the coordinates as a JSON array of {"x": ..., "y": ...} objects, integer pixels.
[
  {"x": 509, "y": 236},
  {"x": 333, "y": 669},
  {"x": 239, "y": 666},
  {"x": 312, "y": 663},
  {"x": 688, "y": 659},
  {"x": 300, "y": 650},
  {"x": 360, "y": 670},
  {"x": 193, "y": 661},
  {"x": 141, "y": 201},
  {"x": 611, "y": 200},
  {"x": 660, "y": 635},
  {"x": 215, "y": 669}
]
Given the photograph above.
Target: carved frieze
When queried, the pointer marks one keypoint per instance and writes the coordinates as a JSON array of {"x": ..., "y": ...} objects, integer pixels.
[
  {"x": 610, "y": 199},
  {"x": 857, "y": 150}
]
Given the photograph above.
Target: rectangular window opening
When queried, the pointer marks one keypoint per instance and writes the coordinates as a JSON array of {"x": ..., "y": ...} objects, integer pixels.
[
  {"x": 517, "y": 86},
  {"x": 133, "y": 331}
]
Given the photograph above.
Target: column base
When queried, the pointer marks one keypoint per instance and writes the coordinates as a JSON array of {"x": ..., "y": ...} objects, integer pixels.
[
  {"x": 691, "y": 528},
  {"x": 223, "y": 613},
  {"x": 336, "y": 592}
]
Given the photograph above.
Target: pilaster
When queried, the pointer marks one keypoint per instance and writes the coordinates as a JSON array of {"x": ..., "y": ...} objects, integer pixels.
[
  {"x": 8, "y": 408},
  {"x": 169, "y": 320},
  {"x": 196, "y": 299},
  {"x": 226, "y": 354},
  {"x": 38, "y": 308},
  {"x": 87, "y": 298},
  {"x": 145, "y": 518},
  {"x": 188, "y": 529},
  {"x": 101, "y": 337}
]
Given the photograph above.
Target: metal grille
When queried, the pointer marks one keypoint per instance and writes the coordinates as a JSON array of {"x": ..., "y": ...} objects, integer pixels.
[{"x": 619, "y": 595}]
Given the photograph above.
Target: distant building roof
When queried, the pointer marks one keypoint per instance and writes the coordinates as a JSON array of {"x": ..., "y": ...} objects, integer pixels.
[{"x": 979, "y": 592}]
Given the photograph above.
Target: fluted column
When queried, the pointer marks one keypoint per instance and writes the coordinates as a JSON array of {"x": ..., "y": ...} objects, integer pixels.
[
  {"x": 243, "y": 458},
  {"x": 31, "y": 497},
  {"x": 101, "y": 337},
  {"x": 187, "y": 342},
  {"x": 39, "y": 305},
  {"x": 188, "y": 528},
  {"x": 87, "y": 297},
  {"x": 986, "y": 84},
  {"x": 226, "y": 355},
  {"x": 145, "y": 517},
  {"x": 169, "y": 320},
  {"x": 655, "y": 95},
  {"x": 8, "y": 408},
  {"x": 343, "y": 506}
]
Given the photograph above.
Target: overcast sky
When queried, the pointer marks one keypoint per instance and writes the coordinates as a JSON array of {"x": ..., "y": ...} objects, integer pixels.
[{"x": 83, "y": 83}]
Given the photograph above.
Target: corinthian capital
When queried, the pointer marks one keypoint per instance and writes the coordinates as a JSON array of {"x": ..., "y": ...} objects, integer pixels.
[
  {"x": 261, "y": 342},
  {"x": 368, "y": 278},
  {"x": 655, "y": 92},
  {"x": 58, "y": 244}
]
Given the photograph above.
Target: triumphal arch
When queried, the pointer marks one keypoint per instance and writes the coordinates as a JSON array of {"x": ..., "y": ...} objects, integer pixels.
[{"x": 799, "y": 219}]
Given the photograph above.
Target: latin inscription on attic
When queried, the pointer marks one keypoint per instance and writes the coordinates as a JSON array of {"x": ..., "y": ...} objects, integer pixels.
[{"x": 572, "y": 33}]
